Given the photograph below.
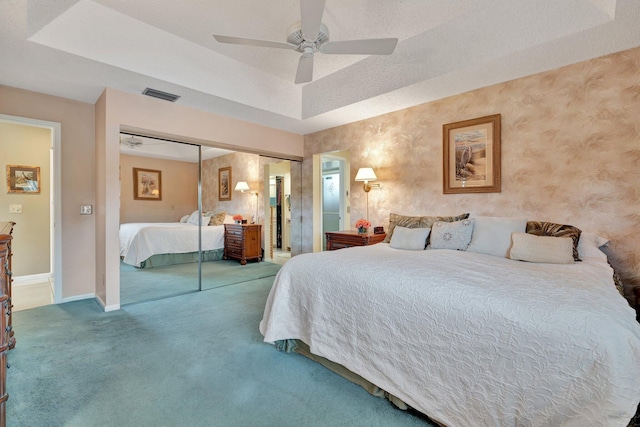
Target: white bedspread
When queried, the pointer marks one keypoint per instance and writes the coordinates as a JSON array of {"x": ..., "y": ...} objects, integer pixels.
[
  {"x": 139, "y": 241},
  {"x": 466, "y": 338}
]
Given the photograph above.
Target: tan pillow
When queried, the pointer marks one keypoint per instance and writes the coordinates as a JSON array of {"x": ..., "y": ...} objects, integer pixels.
[
  {"x": 217, "y": 219},
  {"x": 540, "y": 228},
  {"x": 548, "y": 249},
  {"x": 417, "y": 222}
]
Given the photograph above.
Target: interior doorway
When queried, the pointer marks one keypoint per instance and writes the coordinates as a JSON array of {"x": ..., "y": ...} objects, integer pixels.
[
  {"x": 277, "y": 212},
  {"x": 38, "y": 271},
  {"x": 331, "y": 189}
]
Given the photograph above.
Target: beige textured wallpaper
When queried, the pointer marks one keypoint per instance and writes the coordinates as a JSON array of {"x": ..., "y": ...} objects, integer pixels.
[
  {"x": 570, "y": 154},
  {"x": 244, "y": 167}
]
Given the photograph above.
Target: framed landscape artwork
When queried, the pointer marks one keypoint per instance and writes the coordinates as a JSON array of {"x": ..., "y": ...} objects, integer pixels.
[
  {"x": 224, "y": 183},
  {"x": 471, "y": 156},
  {"x": 147, "y": 184},
  {"x": 23, "y": 179}
]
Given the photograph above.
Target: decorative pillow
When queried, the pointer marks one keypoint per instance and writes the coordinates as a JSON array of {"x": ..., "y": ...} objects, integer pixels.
[
  {"x": 548, "y": 249},
  {"x": 218, "y": 219},
  {"x": 417, "y": 222},
  {"x": 184, "y": 218},
  {"x": 492, "y": 235},
  {"x": 556, "y": 230},
  {"x": 413, "y": 239},
  {"x": 589, "y": 246},
  {"x": 451, "y": 235}
]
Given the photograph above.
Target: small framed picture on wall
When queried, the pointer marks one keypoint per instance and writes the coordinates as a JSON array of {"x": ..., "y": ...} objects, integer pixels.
[
  {"x": 224, "y": 183},
  {"x": 23, "y": 179},
  {"x": 147, "y": 184}
]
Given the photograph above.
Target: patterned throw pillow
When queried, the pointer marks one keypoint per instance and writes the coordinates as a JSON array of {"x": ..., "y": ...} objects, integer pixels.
[
  {"x": 217, "y": 219},
  {"x": 417, "y": 222},
  {"x": 556, "y": 230},
  {"x": 451, "y": 235}
]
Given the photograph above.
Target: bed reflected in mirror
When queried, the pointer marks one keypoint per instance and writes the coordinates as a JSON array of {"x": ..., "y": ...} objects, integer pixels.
[
  {"x": 159, "y": 230},
  {"x": 180, "y": 209}
]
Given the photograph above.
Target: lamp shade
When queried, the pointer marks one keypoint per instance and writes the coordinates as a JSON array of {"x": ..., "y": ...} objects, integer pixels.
[
  {"x": 366, "y": 174},
  {"x": 242, "y": 186}
]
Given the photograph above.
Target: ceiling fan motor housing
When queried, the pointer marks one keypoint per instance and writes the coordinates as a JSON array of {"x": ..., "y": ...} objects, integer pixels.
[{"x": 296, "y": 38}]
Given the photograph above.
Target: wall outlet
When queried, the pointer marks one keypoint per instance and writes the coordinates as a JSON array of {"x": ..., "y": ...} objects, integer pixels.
[
  {"x": 85, "y": 209},
  {"x": 15, "y": 209}
]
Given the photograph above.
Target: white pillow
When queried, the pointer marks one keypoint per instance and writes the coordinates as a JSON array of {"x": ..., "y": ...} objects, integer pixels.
[
  {"x": 193, "y": 219},
  {"x": 413, "y": 239},
  {"x": 589, "y": 246},
  {"x": 451, "y": 235},
  {"x": 549, "y": 249},
  {"x": 184, "y": 218},
  {"x": 492, "y": 234},
  {"x": 228, "y": 219}
]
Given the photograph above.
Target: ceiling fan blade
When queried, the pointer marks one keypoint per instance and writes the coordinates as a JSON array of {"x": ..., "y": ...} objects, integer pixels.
[
  {"x": 311, "y": 17},
  {"x": 252, "y": 42},
  {"x": 361, "y": 47},
  {"x": 305, "y": 69}
]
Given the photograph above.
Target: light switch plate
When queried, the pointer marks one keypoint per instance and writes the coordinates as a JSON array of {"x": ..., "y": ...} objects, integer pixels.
[
  {"x": 85, "y": 209},
  {"x": 15, "y": 209}
]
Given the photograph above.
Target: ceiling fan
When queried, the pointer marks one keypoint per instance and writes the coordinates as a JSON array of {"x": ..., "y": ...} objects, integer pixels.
[
  {"x": 130, "y": 142},
  {"x": 311, "y": 36}
]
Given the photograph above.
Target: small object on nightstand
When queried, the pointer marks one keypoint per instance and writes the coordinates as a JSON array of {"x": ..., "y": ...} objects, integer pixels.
[
  {"x": 378, "y": 230},
  {"x": 349, "y": 238}
]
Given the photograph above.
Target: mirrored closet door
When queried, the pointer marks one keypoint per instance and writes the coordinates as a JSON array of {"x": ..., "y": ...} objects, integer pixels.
[
  {"x": 198, "y": 218},
  {"x": 159, "y": 218}
]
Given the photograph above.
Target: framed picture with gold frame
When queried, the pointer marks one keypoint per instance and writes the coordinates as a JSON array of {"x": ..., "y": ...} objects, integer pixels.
[
  {"x": 23, "y": 179},
  {"x": 147, "y": 184},
  {"x": 224, "y": 184},
  {"x": 471, "y": 156}
]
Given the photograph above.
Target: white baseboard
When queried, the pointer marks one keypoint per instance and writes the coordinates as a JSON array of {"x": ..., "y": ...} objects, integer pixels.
[
  {"x": 105, "y": 307},
  {"x": 78, "y": 297},
  {"x": 31, "y": 279}
]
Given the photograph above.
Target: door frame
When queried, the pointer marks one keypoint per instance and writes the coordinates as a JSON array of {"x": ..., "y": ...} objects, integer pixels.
[
  {"x": 55, "y": 220},
  {"x": 345, "y": 196}
]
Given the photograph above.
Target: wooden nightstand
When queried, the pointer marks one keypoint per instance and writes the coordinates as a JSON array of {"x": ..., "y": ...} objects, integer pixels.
[
  {"x": 243, "y": 242},
  {"x": 346, "y": 239}
]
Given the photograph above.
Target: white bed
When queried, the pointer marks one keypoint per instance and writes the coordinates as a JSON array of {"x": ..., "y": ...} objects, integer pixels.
[
  {"x": 140, "y": 241},
  {"x": 468, "y": 339}
]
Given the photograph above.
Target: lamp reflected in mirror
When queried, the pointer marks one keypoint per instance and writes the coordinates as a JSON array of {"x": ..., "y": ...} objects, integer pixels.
[{"x": 242, "y": 186}]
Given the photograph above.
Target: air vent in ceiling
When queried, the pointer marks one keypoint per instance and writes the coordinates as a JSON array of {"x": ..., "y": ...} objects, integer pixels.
[{"x": 161, "y": 95}]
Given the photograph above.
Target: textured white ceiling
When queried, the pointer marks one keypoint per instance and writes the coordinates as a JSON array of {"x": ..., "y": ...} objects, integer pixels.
[{"x": 76, "y": 48}]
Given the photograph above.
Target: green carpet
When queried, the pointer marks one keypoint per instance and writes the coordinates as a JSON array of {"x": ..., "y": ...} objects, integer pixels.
[
  {"x": 193, "y": 360},
  {"x": 147, "y": 284}
]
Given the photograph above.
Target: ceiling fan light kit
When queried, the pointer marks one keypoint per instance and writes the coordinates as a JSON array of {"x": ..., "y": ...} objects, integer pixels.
[{"x": 311, "y": 36}]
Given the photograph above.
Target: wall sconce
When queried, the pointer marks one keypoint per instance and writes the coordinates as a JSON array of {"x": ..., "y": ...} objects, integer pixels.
[
  {"x": 366, "y": 175},
  {"x": 242, "y": 186}
]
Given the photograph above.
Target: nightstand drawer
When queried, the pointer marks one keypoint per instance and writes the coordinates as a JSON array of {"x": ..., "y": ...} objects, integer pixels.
[{"x": 232, "y": 240}]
